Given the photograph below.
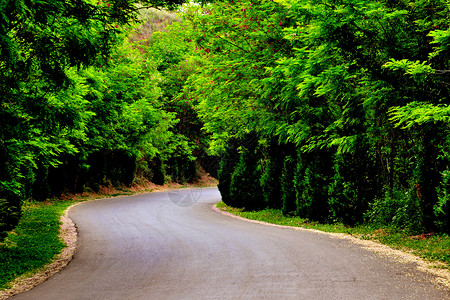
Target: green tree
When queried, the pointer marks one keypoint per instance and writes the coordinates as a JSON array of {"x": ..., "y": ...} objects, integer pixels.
[
  {"x": 271, "y": 177},
  {"x": 288, "y": 194},
  {"x": 228, "y": 162},
  {"x": 43, "y": 112},
  {"x": 245, "y": 189},
  {"x": 312, "y": 179},
  {"x": 360, "y": 85}
]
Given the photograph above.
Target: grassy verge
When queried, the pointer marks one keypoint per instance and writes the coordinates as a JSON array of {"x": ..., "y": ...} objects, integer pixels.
[
  {"x": 34, "y": 242},
  {"x": 431, "y": 247}
]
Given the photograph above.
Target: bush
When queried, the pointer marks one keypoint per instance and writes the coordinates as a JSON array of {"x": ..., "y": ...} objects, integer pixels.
[
  {"x": 209, "y": 163},
  {"x": 270, "y": 178},
  {"x": 397, "y": 209},
  {"x": 40, "y": 187},
  {"x": 442, "y": 208},
  {"x": 353, "y": 186},
  {"x": 157, "y": 167},
  {"x": 311, "y": 180},
  {"x": 12, "y": 191},
  {"x": 9, "y": 214},
  {"x": 343, "y": 198},
  {"x": 288, "y": 194},
  {"x": 226, "y": 168},
  {"x": 182, "y": 169},
  {"x": 245, "y": 189}
]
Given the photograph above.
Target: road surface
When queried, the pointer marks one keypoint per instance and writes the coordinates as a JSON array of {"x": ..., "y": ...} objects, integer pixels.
[{"x": 160, "y": 246}]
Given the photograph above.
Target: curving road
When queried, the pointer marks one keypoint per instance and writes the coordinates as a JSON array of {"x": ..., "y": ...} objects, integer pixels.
[{"x": 158, "y": 246}]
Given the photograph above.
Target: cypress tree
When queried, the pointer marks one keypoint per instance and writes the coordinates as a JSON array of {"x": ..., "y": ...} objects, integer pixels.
[
  {"x": 245, "y": 189},
  {"x": 287, "y": 186},
  {"x": 227, "y": 164},
  {"x": 271, "y": 178}
]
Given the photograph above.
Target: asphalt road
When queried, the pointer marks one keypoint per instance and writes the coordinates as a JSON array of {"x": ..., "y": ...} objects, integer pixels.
[{"x": 156, "y": 246}]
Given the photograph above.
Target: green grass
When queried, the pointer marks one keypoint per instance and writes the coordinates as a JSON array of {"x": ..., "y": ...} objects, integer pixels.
[
  {"x": 34, "y": 242},
  {"x": 432, "y": 247}
]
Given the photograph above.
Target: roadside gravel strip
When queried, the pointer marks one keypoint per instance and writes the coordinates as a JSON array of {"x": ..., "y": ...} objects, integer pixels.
[
  {"x": 68, "y": 234},
  {"x": 442, "y": 276}
]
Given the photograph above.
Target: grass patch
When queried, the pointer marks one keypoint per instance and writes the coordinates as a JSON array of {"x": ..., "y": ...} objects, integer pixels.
[
  {"x": 34, "y": 242},
  {"x": 431, "y": 247}
]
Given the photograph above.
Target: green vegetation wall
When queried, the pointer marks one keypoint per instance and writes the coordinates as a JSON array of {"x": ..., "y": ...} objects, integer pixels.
[
  {"x": 79, "y": 104},
  {"x": 347, "y": 102},
  {"x": 359, "y": 87}
]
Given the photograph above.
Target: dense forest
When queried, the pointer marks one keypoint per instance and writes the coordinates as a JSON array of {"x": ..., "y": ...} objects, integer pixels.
[{"x": 335, "y": 111}]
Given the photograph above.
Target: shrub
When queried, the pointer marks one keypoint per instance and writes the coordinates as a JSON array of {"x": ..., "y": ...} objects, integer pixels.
[
  {"x": 270, "y": 178},
  {"x": 397, "y": 209},
  {"x": 288, "y": 194},
  {"x": 226, "y": 167},
  {"x": 9, "y": 214},
  {"x": 182, "y": 169},
  {"x": 353, "y": 185},
  {"x": 245, "y": 189},
  {"x": 311, "y": 180},
  {"x": 158, "y": 171},
  {"x": 342, "y": 198},
  {"x": 40, "y": 187},
  {"x": 442, "y": 208}
]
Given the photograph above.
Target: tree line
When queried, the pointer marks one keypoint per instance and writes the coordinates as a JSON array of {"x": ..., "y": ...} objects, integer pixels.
[
  {"x": 83, "y": 101},
  {"x": 333, "y": 110}
]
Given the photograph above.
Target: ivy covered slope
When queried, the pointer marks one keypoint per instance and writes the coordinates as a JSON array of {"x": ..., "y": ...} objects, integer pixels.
[
  {"x": 339, "y": 109},
  {"x": 80, "y": 105}
]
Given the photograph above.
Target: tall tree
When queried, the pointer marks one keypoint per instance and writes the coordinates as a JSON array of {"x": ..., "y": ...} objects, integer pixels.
[{"x": 43, "y": 113}]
